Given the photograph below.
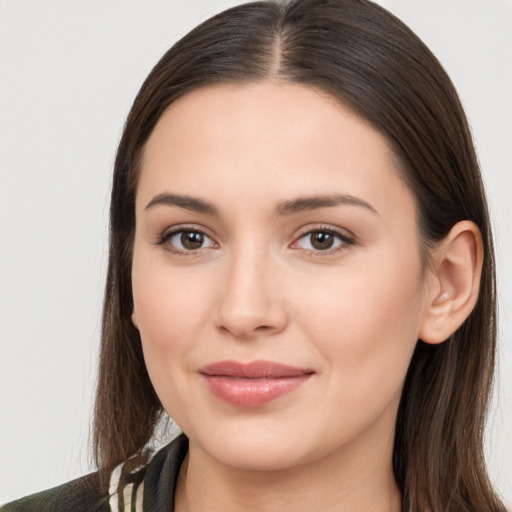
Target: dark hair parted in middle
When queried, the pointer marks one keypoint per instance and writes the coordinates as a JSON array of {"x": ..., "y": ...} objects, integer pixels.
[{"x": 372, "y": 63}]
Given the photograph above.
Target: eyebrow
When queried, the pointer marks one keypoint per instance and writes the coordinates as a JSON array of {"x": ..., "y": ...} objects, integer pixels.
[
  {"x": 301, "y": 204},
  {"x": 187, "y": 202},
  {"x": 304, "y": 204}
]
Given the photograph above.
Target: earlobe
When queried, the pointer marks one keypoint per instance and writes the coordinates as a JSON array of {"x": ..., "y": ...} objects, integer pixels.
[
  {"x": 134, "y": 318},
  {"x": 454, "y": 282}
]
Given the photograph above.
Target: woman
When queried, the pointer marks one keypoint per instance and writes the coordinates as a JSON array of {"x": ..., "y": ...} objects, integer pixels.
[{"x": 301, "y": 274}]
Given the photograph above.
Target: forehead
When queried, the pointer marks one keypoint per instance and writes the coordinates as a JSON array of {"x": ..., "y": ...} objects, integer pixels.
[{"x": 269, "y": 139}]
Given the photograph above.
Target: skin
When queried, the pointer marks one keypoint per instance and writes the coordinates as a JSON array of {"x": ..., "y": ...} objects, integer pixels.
[{"x": 257, "y": 289}]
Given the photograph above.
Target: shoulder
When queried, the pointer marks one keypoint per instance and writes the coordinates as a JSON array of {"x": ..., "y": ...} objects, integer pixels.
[
  {"x": 145, "y": 488},
  {"x": 84, "y": 494}
]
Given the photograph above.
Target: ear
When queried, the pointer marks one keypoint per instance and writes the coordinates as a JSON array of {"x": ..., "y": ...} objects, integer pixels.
[
  {"x": 134, "y": 317},
  {"x": 453, "y": 282}
]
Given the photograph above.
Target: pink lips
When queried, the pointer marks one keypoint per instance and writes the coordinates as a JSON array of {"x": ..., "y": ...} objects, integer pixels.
[{"x": 253, "y": 384}]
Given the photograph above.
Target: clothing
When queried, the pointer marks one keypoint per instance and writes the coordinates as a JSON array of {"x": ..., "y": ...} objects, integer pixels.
[{"x": 145, "y": 489}]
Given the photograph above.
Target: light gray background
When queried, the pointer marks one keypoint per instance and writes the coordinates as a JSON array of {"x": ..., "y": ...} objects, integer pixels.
[{"x": 69, "y": 72}]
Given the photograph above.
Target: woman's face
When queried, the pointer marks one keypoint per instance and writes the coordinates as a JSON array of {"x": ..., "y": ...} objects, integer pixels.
[{"x": 277, "y": 278}]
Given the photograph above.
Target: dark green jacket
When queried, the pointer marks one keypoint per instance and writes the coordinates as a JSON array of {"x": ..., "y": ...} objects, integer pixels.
[{"x": 146, "y": 489}]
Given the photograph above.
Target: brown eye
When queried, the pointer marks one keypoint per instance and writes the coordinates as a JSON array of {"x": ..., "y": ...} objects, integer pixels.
[
  {"x": 186, "y": 240},
  {"x": 191, "y": 240},
  {"x": 322, "y": 240}
]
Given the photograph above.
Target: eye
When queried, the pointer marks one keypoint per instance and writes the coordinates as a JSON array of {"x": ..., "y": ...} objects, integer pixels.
[
  {"x": 322, "y": 240},
  {"x": 186, "y": 240}
]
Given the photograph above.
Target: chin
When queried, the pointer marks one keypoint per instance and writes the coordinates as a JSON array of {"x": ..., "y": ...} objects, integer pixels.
[
  {"x": 262, "y": 447},
  {"x": 259, "y": 456}
]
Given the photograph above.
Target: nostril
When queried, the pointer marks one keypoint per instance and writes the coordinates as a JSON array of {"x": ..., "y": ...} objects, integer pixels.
[
  {"x": 264, "y": 328},
  {"x": 247, "y": 332}
]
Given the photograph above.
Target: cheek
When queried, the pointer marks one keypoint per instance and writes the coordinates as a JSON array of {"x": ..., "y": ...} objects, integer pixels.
[
  {"x": 167, "y": 307},
  {"x": 169, "y": 312},
  {"x": 166, "y": 303},
  {"x": 366, "y": 323}
]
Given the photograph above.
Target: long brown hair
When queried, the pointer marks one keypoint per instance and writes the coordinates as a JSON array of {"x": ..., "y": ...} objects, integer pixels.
[{"x": 371, "y": 62}]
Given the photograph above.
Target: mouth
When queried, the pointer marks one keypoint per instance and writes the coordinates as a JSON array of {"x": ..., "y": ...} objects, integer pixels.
[{"x": 253, "y": 384}]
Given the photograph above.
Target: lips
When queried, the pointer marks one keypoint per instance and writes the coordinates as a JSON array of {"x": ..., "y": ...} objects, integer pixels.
[{"x": 254, "y": 384}]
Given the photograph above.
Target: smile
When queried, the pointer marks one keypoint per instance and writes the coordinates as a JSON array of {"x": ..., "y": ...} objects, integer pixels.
[{"x": 254, "y": 384}]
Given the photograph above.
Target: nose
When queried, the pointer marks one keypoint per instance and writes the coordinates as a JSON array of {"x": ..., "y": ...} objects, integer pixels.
[{"x": 251, "y": 303}]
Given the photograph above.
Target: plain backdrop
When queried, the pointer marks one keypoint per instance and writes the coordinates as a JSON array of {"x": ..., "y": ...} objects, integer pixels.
[{"x": 69, "y": 70}]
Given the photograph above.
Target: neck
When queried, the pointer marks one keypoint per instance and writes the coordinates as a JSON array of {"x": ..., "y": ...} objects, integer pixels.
[{"x": 355, "y": 478}]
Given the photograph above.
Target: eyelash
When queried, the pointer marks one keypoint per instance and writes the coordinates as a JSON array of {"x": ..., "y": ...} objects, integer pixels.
[
  {"x": 345, "y": 240},
  {"x": 166, "y": 236}
]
